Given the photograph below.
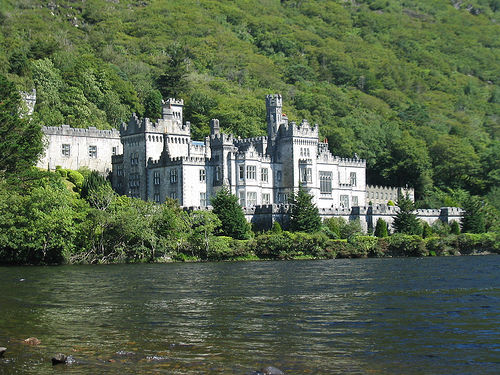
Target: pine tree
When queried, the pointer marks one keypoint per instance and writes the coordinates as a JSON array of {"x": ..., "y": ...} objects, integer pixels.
[
  {"x": 381, "y": 228},
  {"x": 473, "y": 220},
  {"x": 304, "y": 215},
  {"x": 233, "y": 222},
  {"x": 406, "y": 220}
]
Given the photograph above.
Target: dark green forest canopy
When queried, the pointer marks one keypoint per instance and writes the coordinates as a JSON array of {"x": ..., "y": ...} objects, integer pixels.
[{"x": 411, "y": 86}]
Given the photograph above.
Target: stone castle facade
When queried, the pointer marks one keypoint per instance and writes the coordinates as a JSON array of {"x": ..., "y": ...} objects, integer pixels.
[{"x": 160, "y": 161}]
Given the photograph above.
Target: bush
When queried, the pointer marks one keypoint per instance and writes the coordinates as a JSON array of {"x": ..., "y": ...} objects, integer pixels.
[
  {"x": 365, "y": 245},
  {"x": 446, "y": 245},
  {"x": 472, "y": 243},
  {"x": 406, "y": 245},
  {"x": 76, "y": 178}
]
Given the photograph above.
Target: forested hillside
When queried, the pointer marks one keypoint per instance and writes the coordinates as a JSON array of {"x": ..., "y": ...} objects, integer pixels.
[{"x": 411, "y": 86}]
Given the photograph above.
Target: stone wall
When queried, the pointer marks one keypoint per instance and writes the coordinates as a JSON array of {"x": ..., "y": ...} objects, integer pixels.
[{"x": 73, "y": 148}]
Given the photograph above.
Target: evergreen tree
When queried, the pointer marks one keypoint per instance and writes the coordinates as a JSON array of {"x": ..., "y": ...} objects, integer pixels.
[
  {"x": 406, "y": 220},
  {"x": 152, "y": 105},
  {"x": 454, "y": 227},
  {"x": 173, "y": 79},
  {"x": 473, "y": 220},
  {"x": 426, "y": 230},
  {"x": 233, "y": 222},
  {"x": 20, "y": 139},
  {"x": 92, "y": 183},
  {"x": 304, "y": 215},
  {"x": 381, "y": 228}
]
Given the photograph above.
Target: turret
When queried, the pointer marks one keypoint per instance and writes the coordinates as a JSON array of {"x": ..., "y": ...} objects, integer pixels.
[
  {"x": 214, "y": 127},
  {"x": 274, "y": 115},
  {"x": 172, "y": 109}
]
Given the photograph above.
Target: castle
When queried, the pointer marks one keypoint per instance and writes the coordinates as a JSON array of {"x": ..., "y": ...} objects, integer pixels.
[{"x": 159, "y": 160}]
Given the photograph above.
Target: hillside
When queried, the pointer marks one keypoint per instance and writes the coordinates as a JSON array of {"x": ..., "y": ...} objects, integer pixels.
[{"x": 411, "y": 86}]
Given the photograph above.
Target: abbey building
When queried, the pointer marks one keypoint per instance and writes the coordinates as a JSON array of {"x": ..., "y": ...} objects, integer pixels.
[{"x": 160, "y": 160}]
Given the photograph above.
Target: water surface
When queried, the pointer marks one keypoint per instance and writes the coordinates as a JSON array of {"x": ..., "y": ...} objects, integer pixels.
[{"x": 361, "y": 316}]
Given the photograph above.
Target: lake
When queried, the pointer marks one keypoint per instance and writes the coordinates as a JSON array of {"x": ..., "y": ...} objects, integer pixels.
[{"x": 346, "y": 316}]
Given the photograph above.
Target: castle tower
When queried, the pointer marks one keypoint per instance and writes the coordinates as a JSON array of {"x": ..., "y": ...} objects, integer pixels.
[{"x": 274, "y": 115}]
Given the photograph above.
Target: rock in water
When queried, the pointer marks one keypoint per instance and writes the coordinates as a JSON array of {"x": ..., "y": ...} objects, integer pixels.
[
  {"x": 32, "y": 341},
  {"x": 2, "y": 350},
  {"x": 58, "y": 359},
  {"x": 270, "y": 370}
]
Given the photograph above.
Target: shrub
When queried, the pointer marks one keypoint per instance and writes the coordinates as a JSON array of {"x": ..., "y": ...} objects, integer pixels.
[
  {"x": 470, "y": 243},
  {"x": 407, "y": 245},
  {"x": 76, "y": 178},
  {"x": 381, "y": 228},
  {"x": 446, "y": 245}
]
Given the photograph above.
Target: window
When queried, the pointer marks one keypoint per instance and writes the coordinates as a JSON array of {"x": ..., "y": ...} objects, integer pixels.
[
  {"x": 251, "y": 198},
  {"x": 266, "y": 198},
  {"x": 353, "y": 179},
  {"x": 251, "y": 172},
  {"x": 355, "y": 201},
  {"x": 278, "y": 176},
  {"x": 133, "y": 180},
  {"x": 203, "y": 199},
  {"x": 344, "y": 201},
  {"x": 157, "y": 197},
  {"x": 264, "y": 174},
  {"x": 156, "y": 178},
  {"x": 325, "y": 182},
  {"x": 282, "y": 198},
  {"x": 113, "y": 151},
  {"x": 66, "y": 150},
  {"x": 217, "y": 173},
  {"x": 119, "y": 171},
  {"x": 242, "y": 172},
  {"x": 173, "y": 176},
  {"x": 242, "y": 199},
  {"x": 134, "y": 158},
  {"x": 173, "y": 195},
  {"x": 93, "y": 152},
  {"x": 305, "y": 174},
  {"x": 203, "y": 175}
]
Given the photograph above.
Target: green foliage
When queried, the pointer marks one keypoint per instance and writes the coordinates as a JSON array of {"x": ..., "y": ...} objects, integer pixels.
[
  {"x": 91, "y": 183},
  {"x": 231, "y": 216},
  {"x": 406, "y": 221},
  {"x": 454, "y": 227},
  {"x": 304, "y": 215},
  {"x": 407, "y": 245},
  {"x": 339, "y": 228},
  {"x": 473, "y": 220},
  {"x": 381, "y": 228},
  {"x": 276, "y": 228},
  {"x": 20, "y": 139},
  {"x": 426, "y": 230}
]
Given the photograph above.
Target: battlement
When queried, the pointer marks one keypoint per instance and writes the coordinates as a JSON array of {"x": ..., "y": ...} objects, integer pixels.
[
  {"x": 221, "y": 138},
  {"x": 304, "y": 129},
  {"x": 247, "y": 141},
  {"x": 92, "y": 132},
  {"x": 274, "y": 100},
  {"x": 117, "y": 159},
  {"x": 173, "y": 101},
  {"x": 348, "y": 162}
]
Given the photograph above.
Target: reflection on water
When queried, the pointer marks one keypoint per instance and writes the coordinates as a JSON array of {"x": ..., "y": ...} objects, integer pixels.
[{"x": 364, "y": 316}]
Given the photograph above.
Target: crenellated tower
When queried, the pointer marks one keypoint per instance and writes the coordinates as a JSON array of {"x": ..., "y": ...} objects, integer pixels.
[{"x": 275, "y": 118}]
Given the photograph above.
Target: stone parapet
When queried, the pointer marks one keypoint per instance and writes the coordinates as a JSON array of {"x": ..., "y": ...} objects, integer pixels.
[{"x": 80, "y": 132}]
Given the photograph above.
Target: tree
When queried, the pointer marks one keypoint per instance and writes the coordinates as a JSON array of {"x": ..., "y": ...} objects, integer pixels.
[
  {"x": 92, "y": 183},
  {"x": 233, "y": 222},
  {"x": 173, "y": 79},
  {"x": 406, "y": 220},
  {"x": 304, "y": 215},
  {"x": 20, "y": 139},
  {"x": 381, "y": 228},
  {"x": 454, "y": 227},
  {"x": 152, "y": 104},
  {"x": 473, "y": 220}
]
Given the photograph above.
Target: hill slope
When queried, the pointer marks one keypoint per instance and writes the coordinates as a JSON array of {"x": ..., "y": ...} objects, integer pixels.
[{"x": 412, "y": 86}]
